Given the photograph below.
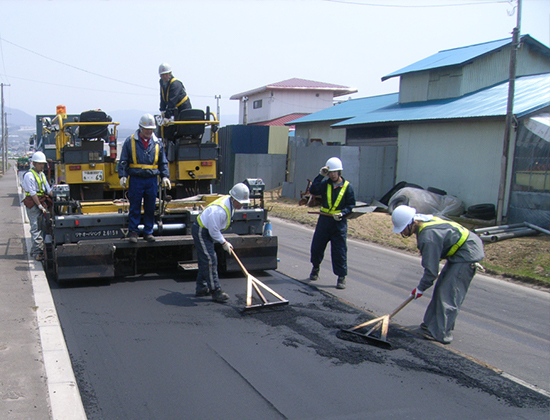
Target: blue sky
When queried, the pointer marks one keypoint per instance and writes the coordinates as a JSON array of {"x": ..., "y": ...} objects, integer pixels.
[{"x": 89, "y": 54}]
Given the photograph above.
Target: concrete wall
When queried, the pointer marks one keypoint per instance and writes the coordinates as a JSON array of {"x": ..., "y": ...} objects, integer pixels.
[
  {"x": 321, "y": 130},
  {"x": 460, "y": 158}
]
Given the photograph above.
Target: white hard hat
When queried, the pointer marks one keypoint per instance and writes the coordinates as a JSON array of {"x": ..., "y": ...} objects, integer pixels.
[
  {"x": 334, "y": 164},
  {"x": 39, "y": 157},
  {"x": 401, "y": 217},
  {"x": 147, "y": 121},
  {"x": 165, "y": 68},
  {"x": 241, "y": 193}
]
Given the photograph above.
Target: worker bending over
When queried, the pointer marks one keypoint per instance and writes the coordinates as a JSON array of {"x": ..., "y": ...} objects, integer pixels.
[
  {"x": 439, "y": 238},
  {"x": 206, "y": 231},
  {"x": 143, "y": 160},
  {"x": 338, "y": 200}
]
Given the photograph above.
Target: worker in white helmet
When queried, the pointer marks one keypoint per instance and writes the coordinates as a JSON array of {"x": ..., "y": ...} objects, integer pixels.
[
  {"x": 207, "y": 231},
  {"x": 37, "y": 200},
  {"x": 338, "y": 200},
  {"x": 173, "y": 97},
  {"x": 143, "y": 160},
  {"x": 439, "y": 238}
]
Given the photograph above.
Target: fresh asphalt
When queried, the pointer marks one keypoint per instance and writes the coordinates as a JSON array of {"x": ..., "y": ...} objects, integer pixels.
[{"x": 36, "y": 376}]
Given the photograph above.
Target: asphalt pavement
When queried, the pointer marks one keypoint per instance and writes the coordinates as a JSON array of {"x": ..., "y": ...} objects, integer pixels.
[{"x": 36, "y": 377}]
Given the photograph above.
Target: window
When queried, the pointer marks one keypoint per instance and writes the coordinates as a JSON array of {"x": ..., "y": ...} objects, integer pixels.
[{"x": 257, "y": 104}]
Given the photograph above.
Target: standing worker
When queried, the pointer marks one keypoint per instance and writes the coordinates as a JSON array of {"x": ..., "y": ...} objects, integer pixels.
[
  {"x": 37, "y": 190},
  {"x": 338, "y": 200},
  {"x": 173, "y": 97},
  {"x": 438, "y": 238},
  {"x": 206, "y": 231},
  {"x": 143, "y": 160}
]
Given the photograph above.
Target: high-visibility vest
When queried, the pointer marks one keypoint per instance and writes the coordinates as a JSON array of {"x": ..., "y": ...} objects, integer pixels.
[
  {"x": 219, "y": 202},
  {"x": 333, "y": 207},
  {"x": 39, "y": 181},
  {"x": 166, "y": 95},
  {"x": 140, "y": 165},
  {"x": 464, "y": 233}
]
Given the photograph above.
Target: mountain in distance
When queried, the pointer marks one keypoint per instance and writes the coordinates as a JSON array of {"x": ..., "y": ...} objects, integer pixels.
[{"x": 19, "y": 118}]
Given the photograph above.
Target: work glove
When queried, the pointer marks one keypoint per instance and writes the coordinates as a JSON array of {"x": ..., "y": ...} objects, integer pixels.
[
  {"x": 416, "y": 293},
  {"x": 41, "y": 207},
  {"x": 166, "y": 183},
  {"x": 227, "y": 247},
  {"x": 123, "y": 182},
  {"x": 337, "y": 216},
  {"x": 323, "y": 171}
]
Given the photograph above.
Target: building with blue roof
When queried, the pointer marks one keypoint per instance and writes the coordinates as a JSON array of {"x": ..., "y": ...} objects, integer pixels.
[{"x": 446, "y": 126}]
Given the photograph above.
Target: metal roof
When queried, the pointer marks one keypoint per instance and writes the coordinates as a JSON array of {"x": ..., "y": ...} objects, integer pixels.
[
  {"x": 532, "y": 93},
  {"x": 463, "y": 55},
  {"x": 281, "y": 121},
  {"x": 349, "y": 109},
  {"x": 299, "y": 84}
]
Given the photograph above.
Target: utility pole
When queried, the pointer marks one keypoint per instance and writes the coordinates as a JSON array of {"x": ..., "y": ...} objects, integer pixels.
[
  {"x": 218, "y": 97},
  {"x": 509, "y": 117},
  {"x": 4, "y": 131}
]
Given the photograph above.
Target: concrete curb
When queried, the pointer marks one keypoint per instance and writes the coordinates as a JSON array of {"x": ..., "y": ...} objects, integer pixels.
[{"x": 64, "y": 394}]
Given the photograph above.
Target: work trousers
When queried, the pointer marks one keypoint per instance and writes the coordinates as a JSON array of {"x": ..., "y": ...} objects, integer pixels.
[
  {"x": 142, "y": 189},
  {"x": 448, "y": 295},
  {"x": 330, "y": 230},
  {"x": 35, "y": 219},
  {"x": 207, "y": 258}
]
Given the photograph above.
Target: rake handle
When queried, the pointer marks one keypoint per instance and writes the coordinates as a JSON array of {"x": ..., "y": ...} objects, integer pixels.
[
  {"x": 245, "y": 271},
  {"x": 405, "y": 303}
]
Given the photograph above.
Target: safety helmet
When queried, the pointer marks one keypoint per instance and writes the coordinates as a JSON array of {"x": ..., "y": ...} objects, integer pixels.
[
  {"x": 39, "y": 157},
  {"x": 165, "y": 68},
  {"x": 147, "y": 121},
  {"x": 401, "y": 217},
  {"x": 334, "y": 164},
  {"x": 241, "y": 193}
]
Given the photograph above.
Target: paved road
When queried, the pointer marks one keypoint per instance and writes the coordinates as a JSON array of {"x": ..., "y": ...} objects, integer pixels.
[
  {"x": 146, "y": 348},
  {"x": 502, "y": 324}
]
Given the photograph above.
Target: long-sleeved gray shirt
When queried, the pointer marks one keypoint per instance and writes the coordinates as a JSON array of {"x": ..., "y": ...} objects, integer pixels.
[{"x": 434, "y": 243}]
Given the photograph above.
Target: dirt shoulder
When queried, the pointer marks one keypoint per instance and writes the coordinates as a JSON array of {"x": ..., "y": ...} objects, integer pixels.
[{"x": 525, "y": 260}]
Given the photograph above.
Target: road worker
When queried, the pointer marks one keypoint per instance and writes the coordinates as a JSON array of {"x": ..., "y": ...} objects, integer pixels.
[
  {"x": 143, "y": 160},
  {"x": 173, "y": 97},
  {"x": 206, "y": 231},
  {"x": 338, "y": 200},
  {"x": 439, "y": 238},
  {"x": 37, "y": 194}
]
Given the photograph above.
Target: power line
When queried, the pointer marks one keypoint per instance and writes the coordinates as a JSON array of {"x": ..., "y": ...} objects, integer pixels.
[
  {"x": 74, "y": 67},
  {"x": 477, "y": 3}
]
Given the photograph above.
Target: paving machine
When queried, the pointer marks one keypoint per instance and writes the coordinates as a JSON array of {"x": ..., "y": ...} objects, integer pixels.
[{"x": 86, "y": 231}]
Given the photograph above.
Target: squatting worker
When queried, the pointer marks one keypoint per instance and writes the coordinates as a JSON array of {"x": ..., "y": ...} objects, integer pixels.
[
  {"x": 36, "y": 189},
  {"x": 338, "y": 200},
  {"x": 206, "y": 231},
  {"x": 439, "y": 238},
  {"x": 173, "y": 97},
  {"x": 143, "y": 160}
]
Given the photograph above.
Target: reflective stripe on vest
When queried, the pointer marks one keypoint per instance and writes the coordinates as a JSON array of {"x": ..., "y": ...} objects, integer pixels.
[
  {"x": 39, "y": 181},
  {"x": 218, "y": 202},
  {"x": 464, "y": 233},
  {"x": 166, "y": 95},
  {"x": 143, "y": 166},
  {"x": 334, "y": 206}
]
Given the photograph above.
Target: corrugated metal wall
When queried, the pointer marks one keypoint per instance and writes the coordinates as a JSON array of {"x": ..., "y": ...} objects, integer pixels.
[
  {"x": 251, "y": 151},
  {"x": 371, "y": 170}
]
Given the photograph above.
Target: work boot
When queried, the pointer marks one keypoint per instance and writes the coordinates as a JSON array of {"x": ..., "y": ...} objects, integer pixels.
[
  {"x": 220, "y": 296},
  {"x": 314, "y": 274},
  {"x": 133, "y": 237},
  {"x": 39, "y": 257},
  {"x": 202, "y": 291},
  {"x": 341, "y": 282},
  {"x": 149, "y": 237}
]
